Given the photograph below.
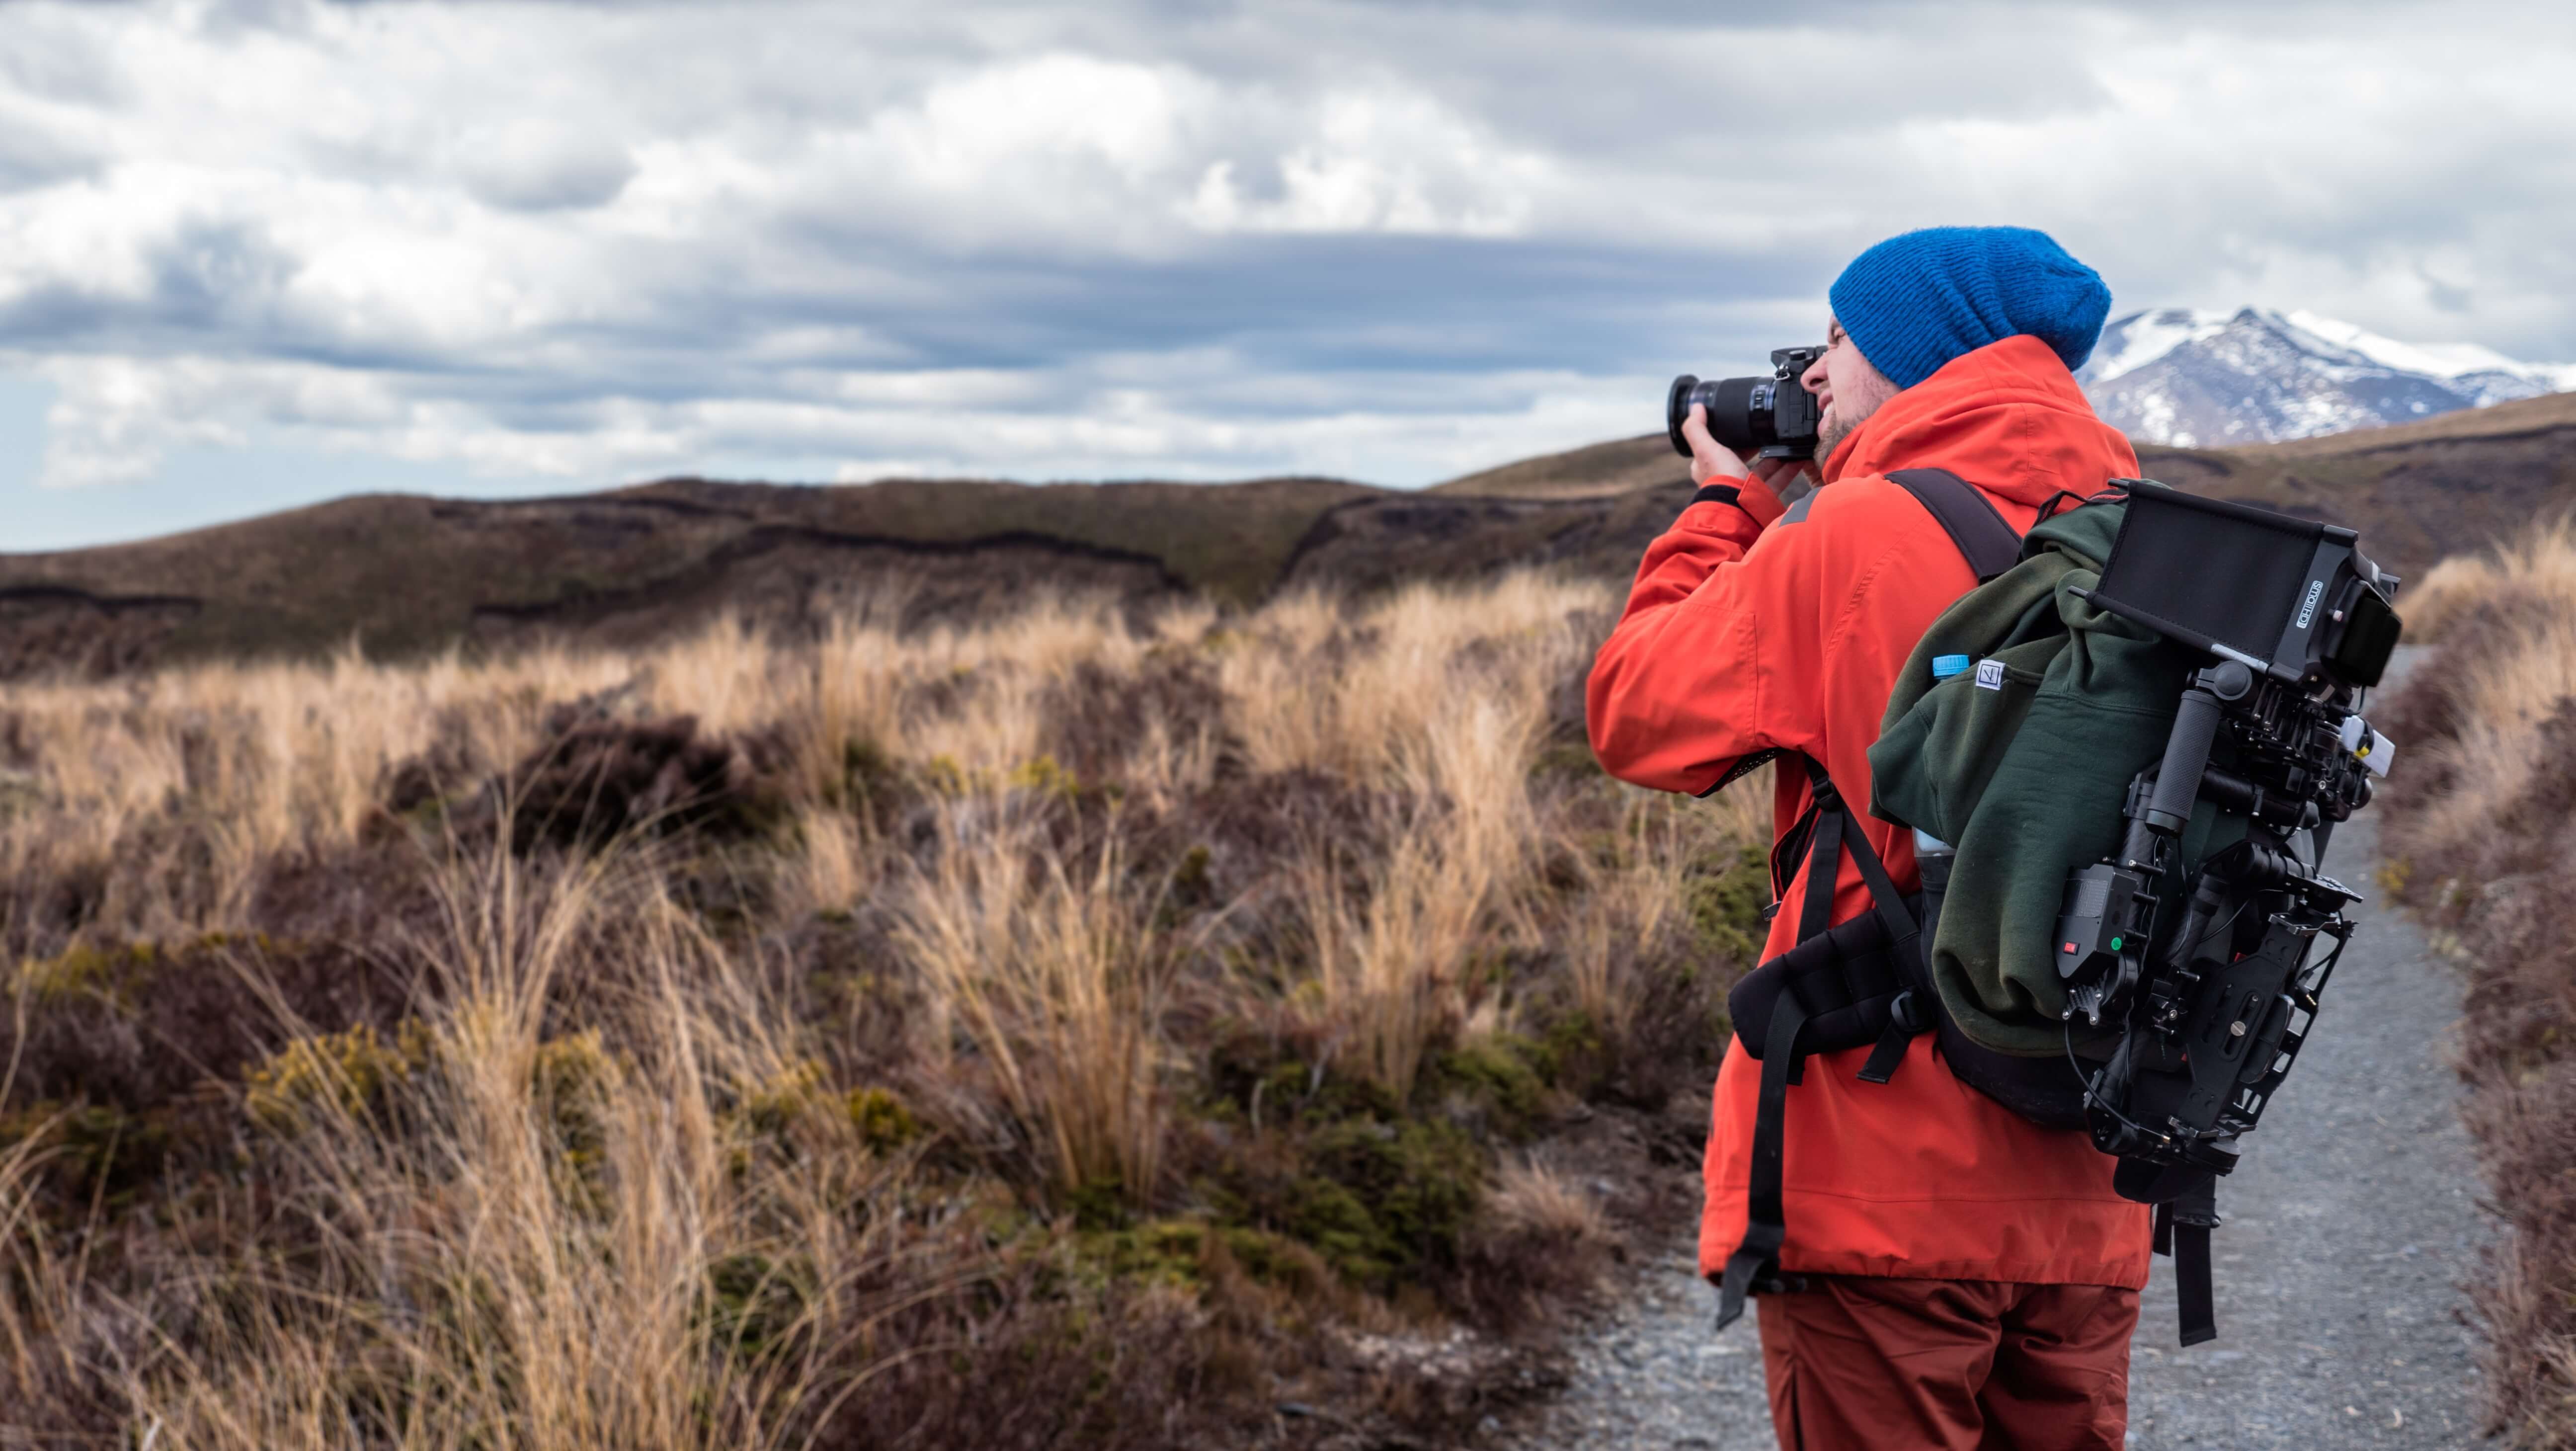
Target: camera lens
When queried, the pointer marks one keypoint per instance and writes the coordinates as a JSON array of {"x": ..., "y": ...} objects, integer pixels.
[
  {"x": 1739, "y": 411},
  {"x": 1744, "y": 414},
  {"x": 1736, "y": 416}
]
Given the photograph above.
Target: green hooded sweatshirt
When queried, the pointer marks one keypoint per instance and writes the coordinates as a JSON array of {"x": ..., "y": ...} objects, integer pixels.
[{"x": 2023, "y": 764}]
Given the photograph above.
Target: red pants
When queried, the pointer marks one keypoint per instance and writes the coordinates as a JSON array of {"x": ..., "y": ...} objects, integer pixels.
[{"x": 1859, "y": 1364}]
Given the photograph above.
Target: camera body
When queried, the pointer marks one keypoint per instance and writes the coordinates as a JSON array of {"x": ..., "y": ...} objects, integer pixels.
[
  {"x": 1776, "y": 416},
  {"x": 2213, "y": 992}
]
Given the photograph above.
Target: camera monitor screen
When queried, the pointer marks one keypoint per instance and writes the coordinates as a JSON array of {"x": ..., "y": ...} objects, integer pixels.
[{"x": 2216, "y": 574}]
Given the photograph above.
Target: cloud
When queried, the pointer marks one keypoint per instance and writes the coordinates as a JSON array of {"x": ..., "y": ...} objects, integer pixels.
[
  {"x": 1381, "y": 163},
  {"x": 578, "y": 242},
  {"x": 533, "y": 166}
]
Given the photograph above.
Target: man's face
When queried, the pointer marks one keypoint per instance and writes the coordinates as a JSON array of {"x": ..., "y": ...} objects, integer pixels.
[{"x": 1848, "y": 389}]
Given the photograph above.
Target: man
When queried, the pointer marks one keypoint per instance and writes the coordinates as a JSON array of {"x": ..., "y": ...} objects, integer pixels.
[{"x": 1969, "y": 1278}]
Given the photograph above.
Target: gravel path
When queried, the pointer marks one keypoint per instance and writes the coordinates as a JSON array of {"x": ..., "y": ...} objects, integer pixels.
[{"x": 2349, "y": 1227}]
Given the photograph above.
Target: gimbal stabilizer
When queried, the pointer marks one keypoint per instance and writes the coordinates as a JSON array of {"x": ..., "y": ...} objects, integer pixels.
[{"x": 2212, "y": 992}]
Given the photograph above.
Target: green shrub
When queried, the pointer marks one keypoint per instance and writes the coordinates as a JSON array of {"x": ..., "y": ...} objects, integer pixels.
[
  {"x": 345, "y": 1071},
  {"x": 883, "y": 1122},
  {"x": 110, "y": 974},
  {"x": 93, "y": 1150},
  {"x": 1727, "y": 893},
  {"x": 754, "y": 1304},
  {"x": 1506, "y": 1074},
  {"x": 1385, "y": 1201}
]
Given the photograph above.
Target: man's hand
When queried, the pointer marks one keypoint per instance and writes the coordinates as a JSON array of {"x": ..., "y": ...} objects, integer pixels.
[
  {"x": 1710, "y": 460},
  {"x": 1714, "y": 462}
]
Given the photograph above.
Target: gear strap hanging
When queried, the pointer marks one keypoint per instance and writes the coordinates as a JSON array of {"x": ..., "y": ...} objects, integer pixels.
[
  {"x": 1765, "y": 1222},
  {"x": 2182, "y": 1231}
]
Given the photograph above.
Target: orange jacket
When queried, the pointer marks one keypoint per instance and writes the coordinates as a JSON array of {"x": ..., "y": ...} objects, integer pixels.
[{"x": 1743, "y": 634}]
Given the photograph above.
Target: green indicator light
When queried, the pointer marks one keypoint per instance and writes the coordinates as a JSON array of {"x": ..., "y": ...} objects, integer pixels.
[{"x": 2115, "y": 944}]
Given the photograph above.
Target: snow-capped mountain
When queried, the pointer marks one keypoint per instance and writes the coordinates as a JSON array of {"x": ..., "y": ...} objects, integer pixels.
[{"x": 2209, "y": 379}]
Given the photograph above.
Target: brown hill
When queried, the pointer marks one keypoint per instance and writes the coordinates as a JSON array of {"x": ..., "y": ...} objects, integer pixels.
[
  {"x": 402, "y": 575},
  {"x": 1579, "y": 473},
  {"x": 1589, "y": 472},
  {"x": 2417, "y": 492}
]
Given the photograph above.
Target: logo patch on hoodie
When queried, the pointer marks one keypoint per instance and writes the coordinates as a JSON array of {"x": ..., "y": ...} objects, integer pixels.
[{"x": 1990, "y": 675}]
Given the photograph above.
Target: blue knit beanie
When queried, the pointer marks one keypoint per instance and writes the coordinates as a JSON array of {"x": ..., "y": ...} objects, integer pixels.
[{"x": 1914, "y": 302}]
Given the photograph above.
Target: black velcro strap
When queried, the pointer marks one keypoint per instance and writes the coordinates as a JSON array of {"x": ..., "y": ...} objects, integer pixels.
[
  {"x": 1850, "y": 981},
  {"x": 1716, "y": 494},
  {"x": 1967, "y": 516},
  {"x": 1902, "y": 1025},
  {"x": 1824, "y": 821},
  {"x": 1836, "y": 829},
  {"x": 2182, "y": 1230},
  {"x": 2193, "y": 1296},
  {"x": 1765, "y": 1221}
]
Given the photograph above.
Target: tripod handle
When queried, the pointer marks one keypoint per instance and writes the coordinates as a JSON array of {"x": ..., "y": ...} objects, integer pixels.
[{"x": 2195, "y": 729}]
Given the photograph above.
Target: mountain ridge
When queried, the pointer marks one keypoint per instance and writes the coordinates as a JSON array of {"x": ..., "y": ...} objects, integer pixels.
[{"x": 2193, "y": 378}]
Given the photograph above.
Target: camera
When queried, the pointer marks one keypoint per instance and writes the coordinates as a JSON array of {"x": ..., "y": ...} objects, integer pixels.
[
  {"x": 1775, "y": 415},
  {"x": 2205, "y": 974}
]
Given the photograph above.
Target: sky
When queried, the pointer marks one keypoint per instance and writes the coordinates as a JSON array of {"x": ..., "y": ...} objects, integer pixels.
[{"x": 258, "y": 253}]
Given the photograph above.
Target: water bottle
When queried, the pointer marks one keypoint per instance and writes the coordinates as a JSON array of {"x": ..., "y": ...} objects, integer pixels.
[{"x": 1931, "y": 854}]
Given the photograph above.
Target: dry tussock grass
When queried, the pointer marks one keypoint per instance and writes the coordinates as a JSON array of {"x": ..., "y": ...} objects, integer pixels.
[
  {"x": 2477, "y": 842},
  {"x": 1052, "y": 1032},
  {"x": 2538, "y": 565}
]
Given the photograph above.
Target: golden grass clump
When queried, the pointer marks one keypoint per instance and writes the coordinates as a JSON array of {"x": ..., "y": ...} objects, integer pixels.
[
  {"x": 1049, "y": 1031},
  {"x": 1051, "y": 979},
  {"x": 2539, "y": 565}
]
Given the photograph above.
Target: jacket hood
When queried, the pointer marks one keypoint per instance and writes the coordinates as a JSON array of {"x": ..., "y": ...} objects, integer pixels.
[{"x": 2007, "y": 417}]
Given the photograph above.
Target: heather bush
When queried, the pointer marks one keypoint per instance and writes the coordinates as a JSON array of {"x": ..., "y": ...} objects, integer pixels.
[
  {"x": 2478, "y": 844},
  {"x": 1069, "y": 1030}
]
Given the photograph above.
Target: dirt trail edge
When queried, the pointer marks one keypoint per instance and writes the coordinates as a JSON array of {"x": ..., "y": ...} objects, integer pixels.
[{"x": 2349, "y": 1228}]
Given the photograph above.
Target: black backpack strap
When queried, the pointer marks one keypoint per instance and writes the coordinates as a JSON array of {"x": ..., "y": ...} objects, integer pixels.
[
  {"x": 1905, "y": 938},
  {"x": 1833, "y": 829},
  {"x": 1825, "y": 850},
  {"x": 1967, "y": 515}
]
